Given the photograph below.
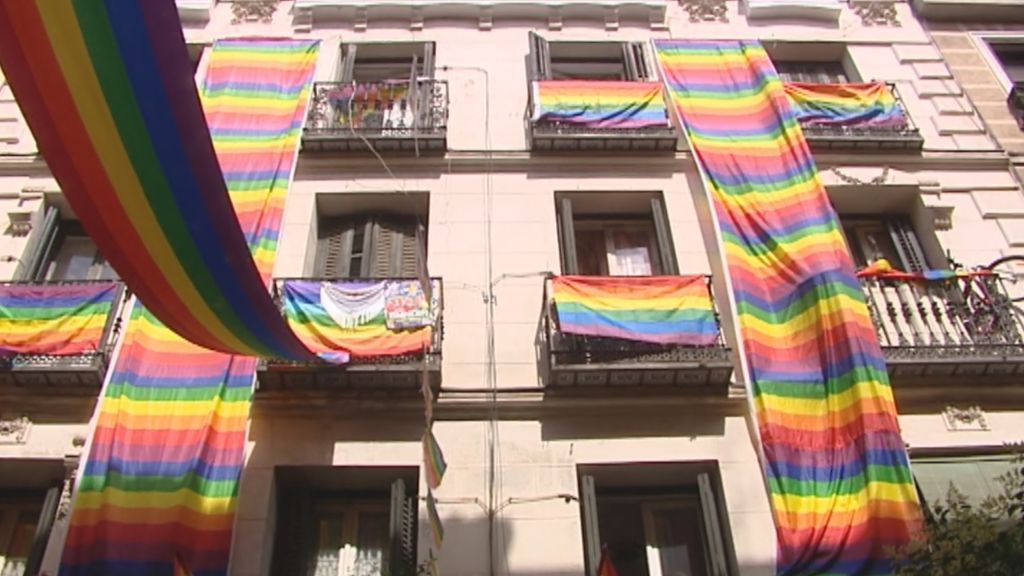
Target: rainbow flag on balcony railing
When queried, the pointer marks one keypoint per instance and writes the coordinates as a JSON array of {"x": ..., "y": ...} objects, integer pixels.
[
  {"x": 600, "y": 104},
  {"x": 871, "y": 105},
  {"x": 342, "y": 319},
  {"x": 656, "y": 309},
  {"x": 56, "y": 319}
]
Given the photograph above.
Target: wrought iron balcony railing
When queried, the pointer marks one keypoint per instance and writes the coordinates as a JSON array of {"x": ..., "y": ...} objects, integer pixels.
[
  {"x": 899, "y": 134},
  {"x": 77, "y": 357},
  {"x": 965, "y": 326},
  {"x": 393, "y": 115},
  {"x": 390, "y": 368},
  {"x": 577, "y": 361}
]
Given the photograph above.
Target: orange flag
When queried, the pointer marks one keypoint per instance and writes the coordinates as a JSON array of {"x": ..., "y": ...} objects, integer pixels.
[{"x": 605, "y": 566}]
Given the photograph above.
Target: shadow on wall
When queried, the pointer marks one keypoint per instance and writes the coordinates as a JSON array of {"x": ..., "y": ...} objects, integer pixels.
[{"x": 641, "y": 423}]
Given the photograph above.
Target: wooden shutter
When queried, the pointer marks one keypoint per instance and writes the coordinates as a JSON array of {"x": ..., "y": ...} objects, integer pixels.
[
  {"x": 334, "y": 248},
  {"x": 567, "y": 231},
  {"x": 712, "y": 528},
  {"x": 666, "y": 249},
  {"x": 348, "y": 63},
  {"x": 401, "y": 532},
  {"x": 638, "y": 68},
  {"x": 43, "y": 528},
  {"x": 905, "y": 240},
  {"x": 428, "y": 59},
  {"x": 394, "y": 253},
  {"x": 40, "y": 247},
  {"x": 540, "y": 58},
  {"x": 591, "y": 530}
]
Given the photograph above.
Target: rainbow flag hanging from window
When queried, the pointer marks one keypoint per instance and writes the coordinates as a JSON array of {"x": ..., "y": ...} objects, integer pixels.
[
  {"x": 871, "y": 105},
  {"x": 55, "y": 319},
  {"x": 656, "y": 309},
  {"x": 839, "y": 477},
  {"x": 600, "y": 104},
  {"x": 160, "y": 483}
]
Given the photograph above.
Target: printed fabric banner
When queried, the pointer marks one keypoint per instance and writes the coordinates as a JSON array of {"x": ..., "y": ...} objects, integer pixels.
[
  {"x": 838, "y": 472},
  {"x": 600, "y": 104},
  {"x": 158, "y": 489},
  {"x": 339, "y": 319},
  {"x": 656, "y": 309},
  {"x": 55, "y": 319},
  {"x": 870, "y": 105}
]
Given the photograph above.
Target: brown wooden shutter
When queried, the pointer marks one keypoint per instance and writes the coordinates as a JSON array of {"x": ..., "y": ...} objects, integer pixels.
[
  {"x": 394, "y": 252},
  {"x": 591, "y": 529},
  {"x": 905, "y": 240},
  {"x": 567, "y": 231},
  {"x": 539, "y": 58},
  {"x": 666, "y": 249}
]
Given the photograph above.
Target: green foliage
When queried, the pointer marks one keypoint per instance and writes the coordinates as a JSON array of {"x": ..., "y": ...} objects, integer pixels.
[{"x": 981, "y": 540}]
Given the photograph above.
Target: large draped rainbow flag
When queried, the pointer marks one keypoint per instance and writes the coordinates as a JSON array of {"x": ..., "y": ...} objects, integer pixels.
[
  {"x": 57, "y": 320},
  {"x": 161, "y": 478},
  {"x": 839, "y": 477},
  {"x": 106, "y": 87}
]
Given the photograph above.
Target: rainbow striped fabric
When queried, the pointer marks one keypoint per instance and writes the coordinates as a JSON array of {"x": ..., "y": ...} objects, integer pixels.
[
  {"x": 161, "y": 478},
  {"x": 106, "y": 87},
  {"x": 838, "y": 472},
  {"x": 55, "y": 319},
  {"x": 342, "y": 319},
  {"x": 657, "y": 309},
  {"x": 600, "y": 104},
  {"x": 870, "y": 105}
]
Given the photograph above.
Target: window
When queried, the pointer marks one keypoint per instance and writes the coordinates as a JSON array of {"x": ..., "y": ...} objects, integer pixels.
[
  {"x": 653, "y": 527},
  {"x": 892, "y": 238},
  {"x": 812, "y": 72},
  {"x": 589, "y": 60},
  {"x": 1011, "y": 59},
  {"x": 377, "y": 62},
  {"x": 61, "y": 250},
  {"x": 344, "y": 521},
  {"x": 976, "y": 477},
  {"x": 609, "y": 234},
  {"x": 369, "y": 246},
  {"x": 25, "y": 524}
]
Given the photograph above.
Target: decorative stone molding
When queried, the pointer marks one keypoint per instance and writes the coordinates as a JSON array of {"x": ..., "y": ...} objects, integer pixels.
[
  {"x": 705, "y": 10},
  {"x": 965, "y": 419},
  {"x": 70, "y": 472},
  {"x": 14, "y": 431},
  {"x": 253, "y": 11},
  {"x": 942, "y": 217},
  {"x": 821, "y": 10},
  {"x": 21, "y": 223},
  {"x": 876, "y": 12}
]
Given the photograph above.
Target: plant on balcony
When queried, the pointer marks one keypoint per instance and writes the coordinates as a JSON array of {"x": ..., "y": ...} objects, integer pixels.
[{"x": 959, "y": 538}]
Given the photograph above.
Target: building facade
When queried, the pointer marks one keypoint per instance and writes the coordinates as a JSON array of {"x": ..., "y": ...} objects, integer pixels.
[{"x": 557, "y": 444}]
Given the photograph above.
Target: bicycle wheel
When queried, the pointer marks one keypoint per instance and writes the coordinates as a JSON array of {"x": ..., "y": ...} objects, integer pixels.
[{"x": 1010, "y": 271}]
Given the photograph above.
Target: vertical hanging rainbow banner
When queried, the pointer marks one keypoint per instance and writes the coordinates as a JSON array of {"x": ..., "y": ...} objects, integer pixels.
[
  {"x": 159, "y": 487},
  {"x": 838, "y": 473}
]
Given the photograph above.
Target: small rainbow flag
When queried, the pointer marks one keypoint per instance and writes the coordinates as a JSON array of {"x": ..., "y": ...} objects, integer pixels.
[
  {"x": 436, "y": 527},
  {"x": 338, "y": 319},
  {"x": 853, "y": 105},
  {"x": 55, "y": 319},
  {"x": 657, "y": 309},
  {"x": 433, "y": 459},
  {"x": 600, "y": 104}
]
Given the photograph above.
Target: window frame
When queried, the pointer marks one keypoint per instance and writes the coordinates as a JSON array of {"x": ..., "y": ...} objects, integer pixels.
[
  {"x": 372, "y": 223},
  {"x": 349, "y": 57},
  {"x": 983, "y": 44},
  {"x": 45, "y": 244},
  {"x": 813, "y": 76},
  {"x": 901, "y": 234},
  {"x": 636, "y": 58},
  {"x": 12, "y": 507}
]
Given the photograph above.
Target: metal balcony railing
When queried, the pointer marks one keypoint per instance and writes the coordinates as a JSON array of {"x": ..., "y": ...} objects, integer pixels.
[
  {"x": 903, "y": 135},
  {"x": 390, "y": 115},
  {"x": 966, "y": 325},
  {"x": 32, "y": 371},
  {"x": 577, "y": 360}
]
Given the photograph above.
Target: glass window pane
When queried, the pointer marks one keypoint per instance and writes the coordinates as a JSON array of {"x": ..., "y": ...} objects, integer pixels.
[
  {"x": 16, "y": 555},
  {"x": 371, "y": 544},
  {"x": 975, "y": 478},
  {"x": 631, "y": 253},
  {"x": 329, "y": 534},
  {"x": 74, "y": 260},
  {"x": 677, "y": 538},
  {"x": 590, "y": 253}
]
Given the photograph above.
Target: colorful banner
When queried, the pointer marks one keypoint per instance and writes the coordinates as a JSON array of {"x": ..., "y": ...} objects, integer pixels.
[
  {"x": 341, "y": 319},
  {"x": 871, "y": 105},
  {"x": 600, "y": 104},
  {"x": 657, "y": 309},
  {"x": 840, "y": 482},
  {"x": 161, "y": 479},
  {"x": 104, "y": 86},
  {"x": 55, "y": 319},
  {"x": 373, "y": 105}
]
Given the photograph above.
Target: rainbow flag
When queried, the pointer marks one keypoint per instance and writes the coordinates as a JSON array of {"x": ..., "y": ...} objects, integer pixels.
[
  {"x": 657, "y": 309},
  {"x": 433, "y": 459},
  {"x": 839, "y": 477},
  {"x": 600, "y": 104},
  {"x": 161, "y": 478},
  {"x": 55, "y": 319},
  {"x": 342, "y": 319},
  {"x": 106, "y": 87},
  {"x": 870, "y": 105}
]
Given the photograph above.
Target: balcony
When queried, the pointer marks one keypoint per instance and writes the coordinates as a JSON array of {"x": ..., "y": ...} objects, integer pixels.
[
  {"x": 590, "y": 115},
  {"x": 391, "y": 116},
  {"x": 356, "y": 326},
  {"x": 867, "y": 116},
  {"x": 57, "y": 334},
  {"x": 697, "y": 361},
  {"x": 952, "y": 328}
]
